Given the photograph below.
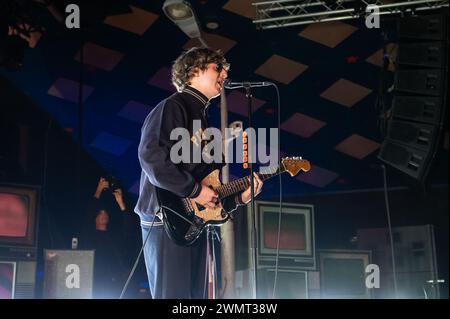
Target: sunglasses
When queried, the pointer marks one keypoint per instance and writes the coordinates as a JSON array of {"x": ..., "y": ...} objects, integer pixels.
[{"x": 219, "y": 67}]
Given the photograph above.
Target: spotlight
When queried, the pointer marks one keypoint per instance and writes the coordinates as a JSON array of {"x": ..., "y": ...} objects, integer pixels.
[
  {"x": 180, "y": 12},
  {"x": 177, "y": 10}
]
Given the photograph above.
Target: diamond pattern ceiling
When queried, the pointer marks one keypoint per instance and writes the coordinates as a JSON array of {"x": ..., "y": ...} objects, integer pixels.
[
  {"x": 330, "y": 34},
  {"x": 318, "y": 69}
]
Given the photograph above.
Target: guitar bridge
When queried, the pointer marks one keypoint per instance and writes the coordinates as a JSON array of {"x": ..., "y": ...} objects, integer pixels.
[{"x": 191, "y": 233}]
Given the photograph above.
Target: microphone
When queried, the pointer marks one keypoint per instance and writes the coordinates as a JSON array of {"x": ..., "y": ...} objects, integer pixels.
[{"x": 230, "y": 84}]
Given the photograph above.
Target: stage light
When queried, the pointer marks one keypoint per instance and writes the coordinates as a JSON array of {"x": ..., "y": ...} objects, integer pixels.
[
  {"x": 438, "y": 281},
  {"x": 180, "y": 12},
  {"x": 177, "y": 10},
  {"x": 212, "y": 23}
]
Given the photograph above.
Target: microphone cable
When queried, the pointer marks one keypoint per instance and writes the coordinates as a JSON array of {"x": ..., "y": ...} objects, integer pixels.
[
  {"x": 391, "y": 237},
  {"x": 281, "y": 191}
]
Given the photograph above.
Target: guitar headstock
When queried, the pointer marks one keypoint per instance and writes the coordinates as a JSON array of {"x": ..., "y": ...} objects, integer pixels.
[{"x": 293, "y": 165}]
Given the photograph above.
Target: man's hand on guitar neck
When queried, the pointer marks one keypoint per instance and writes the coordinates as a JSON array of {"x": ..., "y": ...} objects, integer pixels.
[
  {"x": 257, "y": 183},
  {"x": 208, "y": 198}
]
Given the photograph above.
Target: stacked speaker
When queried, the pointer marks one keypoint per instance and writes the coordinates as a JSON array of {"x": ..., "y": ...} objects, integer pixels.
[
  {"x": 68, "y": 274},
  {"x": 415, "y": 260},
  {"x": 420, "y": 95}
]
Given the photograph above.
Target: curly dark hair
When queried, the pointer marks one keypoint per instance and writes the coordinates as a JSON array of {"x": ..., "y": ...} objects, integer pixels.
[{"x": 194, "y": 60}]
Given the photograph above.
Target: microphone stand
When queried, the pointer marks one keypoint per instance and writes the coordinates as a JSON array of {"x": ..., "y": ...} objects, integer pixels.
[{"x": 248, "y": 94}]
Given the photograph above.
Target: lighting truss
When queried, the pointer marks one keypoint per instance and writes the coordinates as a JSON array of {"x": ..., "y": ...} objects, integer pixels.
[{"x": 286, "y": 13}]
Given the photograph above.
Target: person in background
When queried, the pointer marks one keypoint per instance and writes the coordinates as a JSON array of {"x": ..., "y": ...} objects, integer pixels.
[{"x": 107, "y": 230}]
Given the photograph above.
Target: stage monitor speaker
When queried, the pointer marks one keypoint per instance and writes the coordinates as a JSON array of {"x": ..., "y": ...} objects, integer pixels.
[
  {"x": 17, "y": 279},
  {"x": 68, "y": 274},
  {"x": 430, "y": 27},
  {"x": 425, "y": 81},
  {"x": 291, "y": 283},
  {"x": 429, "y": 54},
  {"x": 425, "y": 109}
]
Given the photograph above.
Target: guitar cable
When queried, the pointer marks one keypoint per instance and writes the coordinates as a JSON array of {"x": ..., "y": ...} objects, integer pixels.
[
  {"x": 137, "y": 260},
  {"x": 179, "y": 215}
]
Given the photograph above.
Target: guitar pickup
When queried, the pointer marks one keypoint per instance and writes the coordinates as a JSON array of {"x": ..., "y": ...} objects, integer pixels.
[{"x": 200, "y": 206}]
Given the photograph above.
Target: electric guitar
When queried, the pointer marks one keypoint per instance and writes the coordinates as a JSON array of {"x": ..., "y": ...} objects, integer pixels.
[{"x": 185, "y": 220}]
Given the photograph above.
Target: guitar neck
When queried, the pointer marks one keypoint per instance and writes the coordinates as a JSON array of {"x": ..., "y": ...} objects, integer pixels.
[{"x": 243, "y": 183}]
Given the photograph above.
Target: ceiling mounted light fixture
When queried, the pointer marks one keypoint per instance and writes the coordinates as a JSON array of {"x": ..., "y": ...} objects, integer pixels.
[
  {"x": 180, "y": 12},
  {"x": 211, "y": 22}
]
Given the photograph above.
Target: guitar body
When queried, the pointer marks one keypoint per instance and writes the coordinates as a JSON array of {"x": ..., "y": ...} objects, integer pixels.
[{"x": 184, "y": 219}]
